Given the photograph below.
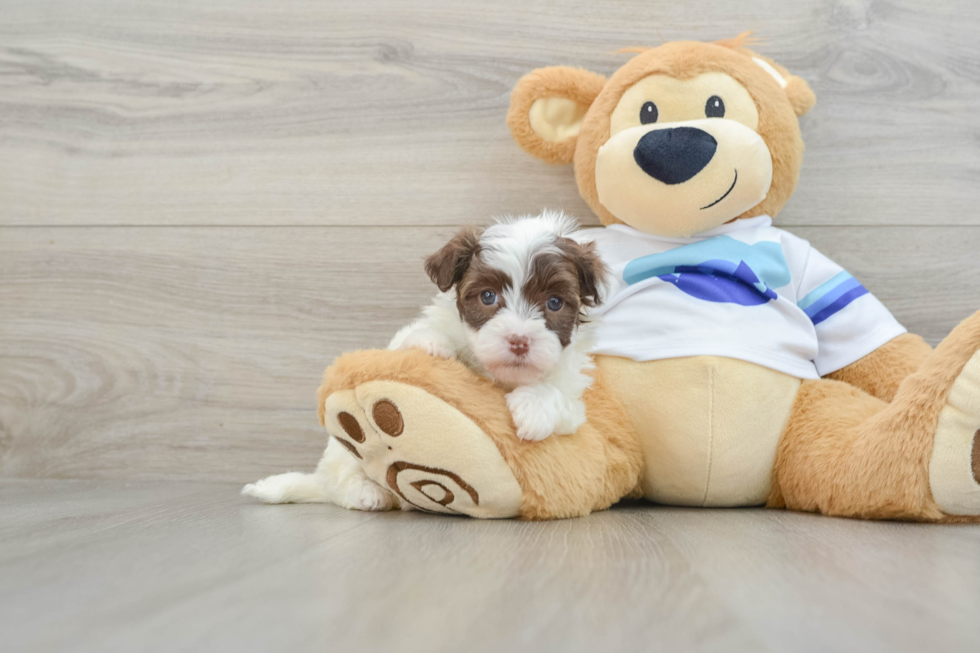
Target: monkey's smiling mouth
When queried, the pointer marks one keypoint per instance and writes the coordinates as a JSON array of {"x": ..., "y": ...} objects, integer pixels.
[{"x": 735, "y": 181}]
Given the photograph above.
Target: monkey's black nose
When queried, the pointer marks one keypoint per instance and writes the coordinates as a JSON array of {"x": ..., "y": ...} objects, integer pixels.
[{"x": 676, "y": 154}]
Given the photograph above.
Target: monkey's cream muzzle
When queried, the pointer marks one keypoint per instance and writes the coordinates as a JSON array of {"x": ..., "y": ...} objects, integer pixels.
[{"x": 682, "y": 178}]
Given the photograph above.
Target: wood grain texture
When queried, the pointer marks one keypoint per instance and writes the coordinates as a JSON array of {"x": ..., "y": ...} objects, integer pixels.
[
  {"x": 194, "y": 353},
  {"x": 110, "y": 566},
  {"x": 164, "y": 349},
  {"x": 392, "y": 113}
]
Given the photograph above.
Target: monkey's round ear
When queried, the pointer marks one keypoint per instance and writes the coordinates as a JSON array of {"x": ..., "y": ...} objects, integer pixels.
[
  {"x": 800, "y": 95},
  {"x": 797, "y": 90},
  {"x": 547, "y": 108}
]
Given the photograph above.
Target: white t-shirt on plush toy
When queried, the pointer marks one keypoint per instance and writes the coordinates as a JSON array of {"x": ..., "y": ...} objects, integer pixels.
[{"x": 744, "y": 290}]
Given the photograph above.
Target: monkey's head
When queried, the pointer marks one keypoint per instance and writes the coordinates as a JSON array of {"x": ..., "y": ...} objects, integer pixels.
[{"x": 683, "y": 138}]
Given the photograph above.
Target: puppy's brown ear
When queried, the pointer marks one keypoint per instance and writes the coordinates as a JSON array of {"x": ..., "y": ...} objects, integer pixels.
[
  {"x": 593, "y": 275},
  {"x": 547, "y": 108},
  {"x": 447, "y": 266}
]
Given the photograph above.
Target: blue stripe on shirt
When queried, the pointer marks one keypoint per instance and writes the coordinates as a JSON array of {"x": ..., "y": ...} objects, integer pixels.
[
  {"x": 831, "y": 297},
  {"x": 841, "y": 302},
  {"x": 838, "y": 279}
]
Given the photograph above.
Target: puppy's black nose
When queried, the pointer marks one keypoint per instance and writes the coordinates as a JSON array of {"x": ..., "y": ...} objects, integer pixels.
[{"x": 676, "y": 154}]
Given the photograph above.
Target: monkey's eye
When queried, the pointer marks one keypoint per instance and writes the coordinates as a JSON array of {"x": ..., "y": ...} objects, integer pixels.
[
  {"x": 555, "y": 303},
  {"x": 649, "y": 113},
  {"x": 715, "y": 107},
  {"x": 488, "y": 297}
]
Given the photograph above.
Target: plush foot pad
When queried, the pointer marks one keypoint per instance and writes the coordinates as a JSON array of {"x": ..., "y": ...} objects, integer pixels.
[
  {"x": 424, "y": 450},
  {"x": 954, "y": 470}
]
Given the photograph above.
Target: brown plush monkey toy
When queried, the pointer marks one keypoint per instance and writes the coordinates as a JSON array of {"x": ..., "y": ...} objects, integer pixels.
[{"x": 736, "y": 365}]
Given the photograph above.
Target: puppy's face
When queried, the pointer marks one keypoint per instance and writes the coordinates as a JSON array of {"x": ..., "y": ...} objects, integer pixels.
[{"x": 521, "y": 288}]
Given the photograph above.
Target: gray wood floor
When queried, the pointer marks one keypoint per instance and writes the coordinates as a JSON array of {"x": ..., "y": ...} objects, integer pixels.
[
  {"x": 203, "y": 202},
  {"x": 164, "y": 566}
]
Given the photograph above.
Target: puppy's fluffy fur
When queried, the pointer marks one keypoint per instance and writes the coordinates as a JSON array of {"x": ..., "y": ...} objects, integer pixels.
[{"x": 511, "y": 307}]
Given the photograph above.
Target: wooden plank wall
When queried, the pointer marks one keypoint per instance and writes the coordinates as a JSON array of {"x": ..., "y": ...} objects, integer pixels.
[{"x": 202, "y": 203}]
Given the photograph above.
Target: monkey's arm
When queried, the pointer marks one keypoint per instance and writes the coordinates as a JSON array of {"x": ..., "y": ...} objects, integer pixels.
[{"x": 883, "y": 370}]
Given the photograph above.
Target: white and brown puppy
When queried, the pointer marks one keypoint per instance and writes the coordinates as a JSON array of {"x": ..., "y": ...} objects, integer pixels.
[{"x": 511, "y": 307}]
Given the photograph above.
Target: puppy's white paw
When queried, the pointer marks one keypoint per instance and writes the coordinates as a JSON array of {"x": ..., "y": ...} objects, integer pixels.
[
  {"x": 368, "y": 496},
  {"x": 534, "y": 417},
  {"x": 431, "y": 345}
]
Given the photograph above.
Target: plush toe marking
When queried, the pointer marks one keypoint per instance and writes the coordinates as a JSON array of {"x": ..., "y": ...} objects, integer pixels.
[
  {"x": 346, "y": 422},
  {"x": 953, "y": 469},
  {"x": 388, "y": 417},
  {"x": 432, "y": 455},
  {"x": 976, "y": 457},
  {"x": 350, "y": 426},
  {"x": 347, "y": 445}
]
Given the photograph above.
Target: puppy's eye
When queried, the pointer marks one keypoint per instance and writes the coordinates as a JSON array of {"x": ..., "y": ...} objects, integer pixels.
[
  {"x": 488, "y": 297},
  {"x": 715, "y": 107},
  {"x": 649, "y": 113},
  {"x": 555, "y": 304}
]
